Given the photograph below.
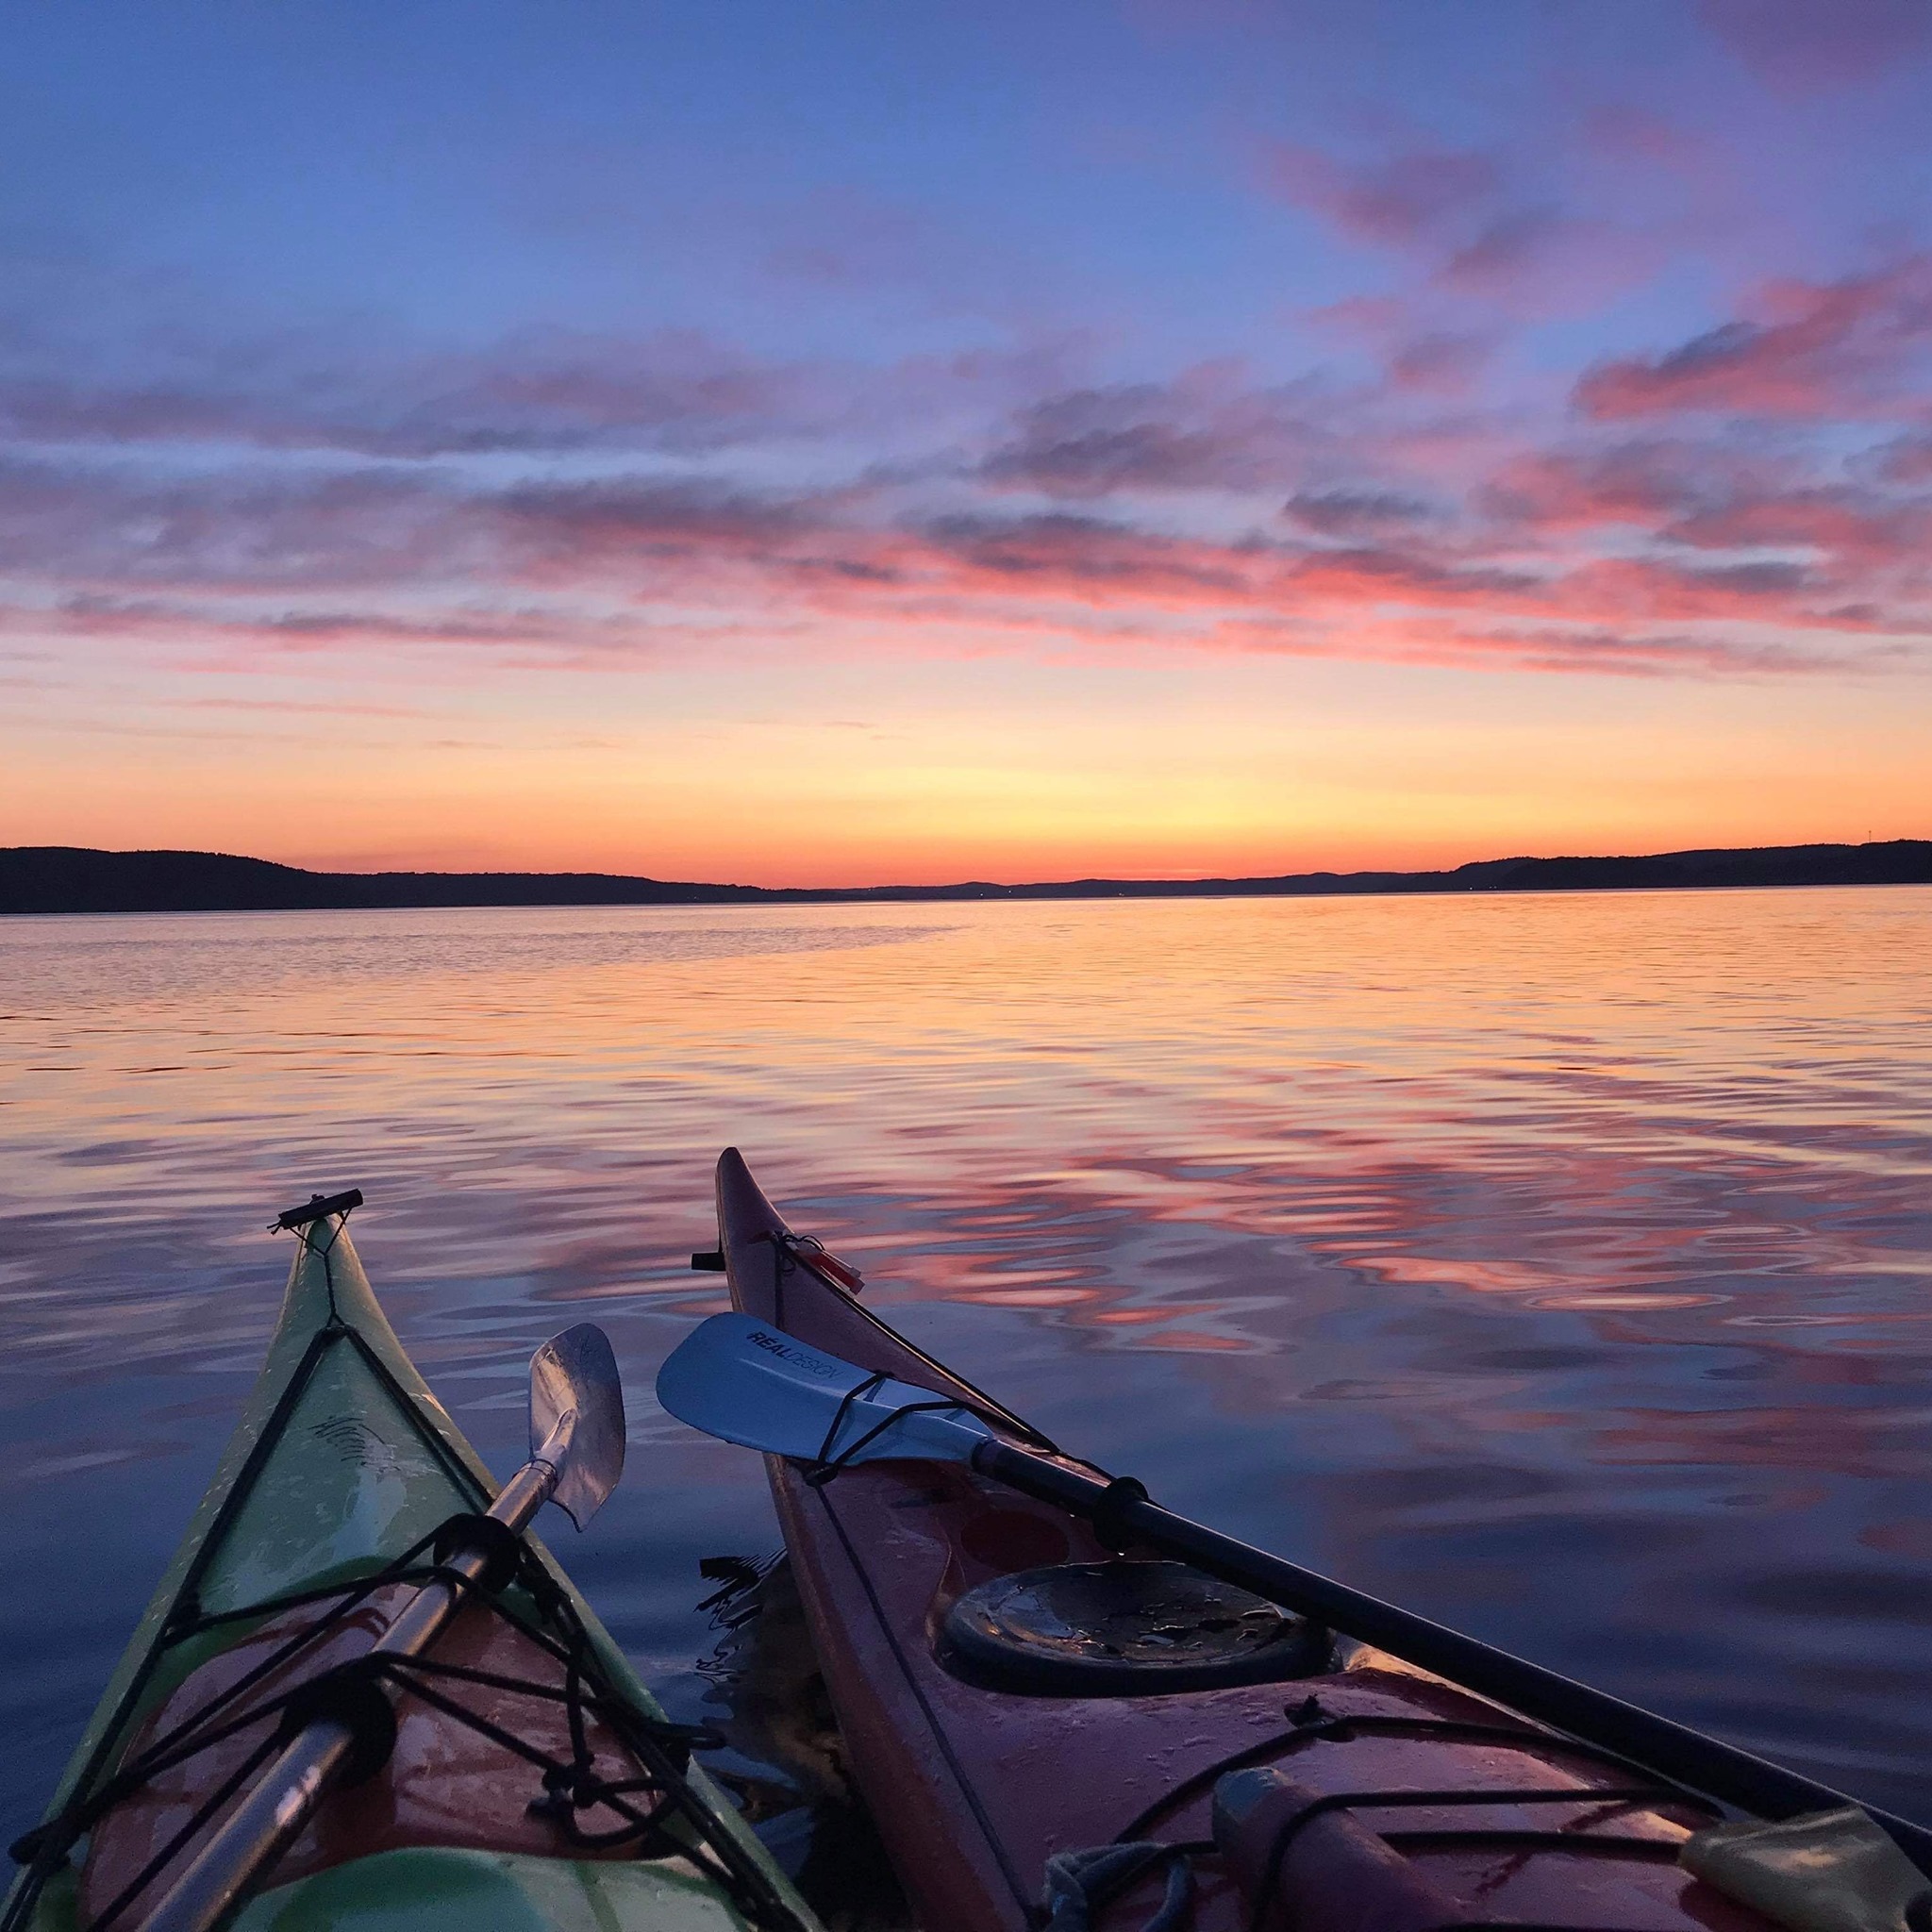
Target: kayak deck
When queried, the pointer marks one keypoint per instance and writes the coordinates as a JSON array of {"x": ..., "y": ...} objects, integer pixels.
[
  {"x": 1376, "y": 1797},
  {"x": 324, "y": 1514}
]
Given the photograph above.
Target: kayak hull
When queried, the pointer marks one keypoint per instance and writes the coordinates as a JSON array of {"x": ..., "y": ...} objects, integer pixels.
[
  {"x": 976, "y": 1787},
  {"x": 339, "y": 1475}
]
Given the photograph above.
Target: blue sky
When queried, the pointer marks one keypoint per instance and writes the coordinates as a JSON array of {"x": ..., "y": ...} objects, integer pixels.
[{"x": 455, "y": 434}]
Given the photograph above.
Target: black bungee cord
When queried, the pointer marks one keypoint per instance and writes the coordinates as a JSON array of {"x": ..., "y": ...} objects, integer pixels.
[{"x": 648, "y": 1808}]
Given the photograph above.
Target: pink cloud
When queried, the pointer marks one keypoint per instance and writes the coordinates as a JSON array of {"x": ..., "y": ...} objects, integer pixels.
[
  {"x": 1905, "y": 459},
  {"x": 1849, "y": 527},
  {"x": 1020, "y": 584},
  {"x": 1817, "y": 350},
  {"x": 1650, "y": 484},
  {"x": 542, "y": 389},
  {"x": 1405, "y": 201},
  {"x": 1559, "y": 649},
  {"x": 1478, "y": 231},
  {"x": 1624, "y": 132},
  {"x": 652, "y": 544},
  {"x": 1417, "y": 352},
  {"x": 1362, "y": 318},
  {"x": 1206, "y": 430},
  {"x": 1543, "y": 260},
  {"x": 1204, "y": 511},
  {"x": 1355, "y": 512},
  {"x": 1800, "y": 47},
  {"x": 1442, "y": 363}
]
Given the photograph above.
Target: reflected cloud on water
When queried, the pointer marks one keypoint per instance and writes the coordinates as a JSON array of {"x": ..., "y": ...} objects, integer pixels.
[{"x": 1557, "y": 1265}]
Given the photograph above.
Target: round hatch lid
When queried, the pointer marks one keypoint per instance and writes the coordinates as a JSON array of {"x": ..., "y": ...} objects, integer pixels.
[{"x": 1124, "y": 1630}]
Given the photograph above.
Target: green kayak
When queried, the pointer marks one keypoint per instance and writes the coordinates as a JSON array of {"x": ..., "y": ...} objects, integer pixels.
[{"x": 513, "y": 1772}]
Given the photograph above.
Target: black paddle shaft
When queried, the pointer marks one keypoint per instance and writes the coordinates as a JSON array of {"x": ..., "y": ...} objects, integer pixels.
[{"x": 1686, "y": 1756}]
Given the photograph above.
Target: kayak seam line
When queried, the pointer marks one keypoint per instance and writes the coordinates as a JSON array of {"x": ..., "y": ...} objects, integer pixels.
[
  {"x": 933, "y": 1724},
  {"x": 273, "y": 1428},
  {"x": 244, "y": 1483},
  {"x": 113, "y": 1733},
  {"x": 411, "y": 1407}
]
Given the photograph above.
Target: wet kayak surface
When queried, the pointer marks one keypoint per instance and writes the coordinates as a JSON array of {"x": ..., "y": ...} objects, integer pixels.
[{"x": 1555, "y": 1265}]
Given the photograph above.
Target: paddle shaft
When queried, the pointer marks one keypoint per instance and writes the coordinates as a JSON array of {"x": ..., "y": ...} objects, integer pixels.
[
  {"x": 230, "y": 1868},
  {"x": 1686, "y": 1756}
]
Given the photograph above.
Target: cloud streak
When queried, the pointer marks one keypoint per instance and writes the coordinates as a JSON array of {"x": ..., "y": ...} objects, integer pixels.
[
  {"x": 1690, "y": 510},
  {"x": 1851, "y": 349}
]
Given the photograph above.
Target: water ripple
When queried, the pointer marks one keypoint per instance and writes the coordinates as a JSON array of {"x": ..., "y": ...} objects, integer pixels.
[{"x": 1557, "y": 1265}]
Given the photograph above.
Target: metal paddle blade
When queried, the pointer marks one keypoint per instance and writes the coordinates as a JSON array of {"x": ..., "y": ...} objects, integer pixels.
[
  {"x": 575, "y": 1374},
  {"x": 743, "y": 1381}
]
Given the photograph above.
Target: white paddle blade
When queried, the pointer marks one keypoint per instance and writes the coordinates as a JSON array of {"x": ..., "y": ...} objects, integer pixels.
[
  {"x": 575, "y": 1373},
  {"x": 746, "y": 1382}
]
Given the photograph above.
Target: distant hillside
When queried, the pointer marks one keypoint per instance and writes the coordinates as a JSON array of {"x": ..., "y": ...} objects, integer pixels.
[{"x": 72, "y": 878}]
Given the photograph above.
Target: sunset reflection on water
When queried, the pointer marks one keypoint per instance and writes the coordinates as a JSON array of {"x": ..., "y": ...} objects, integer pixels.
[{"x": 1557, "y": 1265}]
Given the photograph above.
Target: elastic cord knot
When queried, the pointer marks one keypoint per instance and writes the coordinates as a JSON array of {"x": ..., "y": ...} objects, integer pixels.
[{"x": 1082, "y": 1884}]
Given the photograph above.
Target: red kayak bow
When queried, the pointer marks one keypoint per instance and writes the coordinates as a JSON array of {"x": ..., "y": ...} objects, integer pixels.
[{"x": 1047, "y": 1727}]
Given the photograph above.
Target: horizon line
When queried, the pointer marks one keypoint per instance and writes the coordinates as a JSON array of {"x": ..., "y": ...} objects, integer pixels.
[{"x": 54, "y": 879}]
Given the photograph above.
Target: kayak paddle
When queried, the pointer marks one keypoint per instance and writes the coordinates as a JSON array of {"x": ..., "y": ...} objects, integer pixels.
[
  {"x": 746, "y": 1382},
  {"x": 576, "y": 1455}
]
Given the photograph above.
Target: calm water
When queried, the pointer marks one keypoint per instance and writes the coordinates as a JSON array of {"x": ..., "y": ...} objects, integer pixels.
[{"x": 1559, "y": 1266}]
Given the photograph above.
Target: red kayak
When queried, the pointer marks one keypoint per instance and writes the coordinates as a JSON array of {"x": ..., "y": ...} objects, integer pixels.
[{"x": 1014, "y": 1692}]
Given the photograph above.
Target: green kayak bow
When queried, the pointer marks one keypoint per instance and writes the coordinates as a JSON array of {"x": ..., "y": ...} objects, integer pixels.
[{"x": 509, "y": 1771}]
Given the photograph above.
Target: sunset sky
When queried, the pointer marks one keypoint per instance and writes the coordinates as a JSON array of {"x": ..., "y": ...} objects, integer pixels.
[{"x": 833, "y": 443}]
